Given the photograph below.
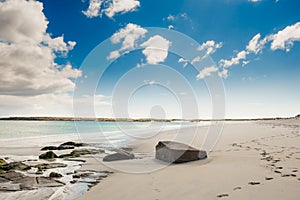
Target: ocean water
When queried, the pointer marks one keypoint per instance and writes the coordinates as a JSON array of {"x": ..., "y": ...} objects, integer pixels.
[{"x": 21, "y": 129}]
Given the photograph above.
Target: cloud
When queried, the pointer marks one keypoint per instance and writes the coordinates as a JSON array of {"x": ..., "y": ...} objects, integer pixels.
[
  {"x": 55, "y": 105},
  {"x": 171, "y": 17},
  {"x": 285, "y": 38},
  {"x": 149, "y": 82},
  {"x": 93, "y": 9},
  {"x": 209, "y": 47},
  {"x": 28, "y": 52},
  {"x": 22, "y": 21},
  {"x": 196, "y": 59},
  {"x": 156, "y": 49},
  {"x": 170, "y": 27},
  {"x": 235, "y": 60},
  {"x": 184, "y": 61},
  {"x": 121, "y": 6},
  {"x": 207, "y": 72},
  {"x": 128, "y": 37},
  {"x": 254, "y": 1},
  {"x": 113, "y": 55},
  {"x": 58, "y": 45},
  {"x": 223, "y": 73},
  {"x": 110, "y": 7},
  {"x": 254, "y": 45},
  {"x": 178, "y": 17}
]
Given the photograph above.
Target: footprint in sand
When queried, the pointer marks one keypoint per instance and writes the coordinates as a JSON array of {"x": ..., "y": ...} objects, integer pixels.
[
  {"x": 237, "y": 188},
  {"x": 222, "y": 195},
  {"x": 278, "y": 172},
  {"x": 254, "y": 183}
]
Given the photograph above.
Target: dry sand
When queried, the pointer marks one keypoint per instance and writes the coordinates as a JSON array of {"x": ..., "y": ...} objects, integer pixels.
[{"x": 252, "y": 160}]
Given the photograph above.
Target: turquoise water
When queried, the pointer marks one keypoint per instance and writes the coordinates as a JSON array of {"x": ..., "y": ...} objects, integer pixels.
[{"x": 20, "y": 129}]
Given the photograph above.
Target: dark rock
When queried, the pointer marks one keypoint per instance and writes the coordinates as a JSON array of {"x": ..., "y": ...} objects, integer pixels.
[
  {"x": 64, "y": 147},
  {"x": 76, "y": 176},
  {"x": 175, "y": 152},
  {"x": 12, "y": 176},
  {"x": 39, "y": 172},
  {"x": 82, "y": 175},
  {"x": 268, "y": 178},
  {"x": 48, "y": 182},
  {"x": 74, "y": 159},
  {"x": 14, "y": 166},
  {"x": 79, "y": 152},
  {"x": 44, "y": 166},
  {"x": 121, "y": 155},
  {"x": 2, "y": 162},
  {"x": 49, "y": 148},
  {"x": 48, "y": 155},
  {"x": 55, "y": 175},
  {"x": 75, "y": 144}
]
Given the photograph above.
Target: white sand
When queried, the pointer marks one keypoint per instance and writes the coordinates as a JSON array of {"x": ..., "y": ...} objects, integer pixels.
[{"x": 234, "y": 162}]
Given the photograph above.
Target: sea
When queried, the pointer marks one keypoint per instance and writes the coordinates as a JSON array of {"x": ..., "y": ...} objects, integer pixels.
[{"x": 22, "y": 129}]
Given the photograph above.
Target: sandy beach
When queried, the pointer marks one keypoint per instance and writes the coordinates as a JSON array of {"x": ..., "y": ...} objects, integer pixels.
[{"x": 252, "y": 160}]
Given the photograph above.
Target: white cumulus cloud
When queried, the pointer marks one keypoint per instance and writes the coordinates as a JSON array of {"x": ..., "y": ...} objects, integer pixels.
[
  {"x": 285, "y": 38},
  {"x": 127, "y": 36},
  {"x": 209, "y": 47},
  {"x": 235, "y": 60},
  {"x": 254, "y": 45},
  {"x": 93, "y": 9},
  {"x": 156, "y": 49},
  {"x": 207, "y": 72},
  {"x": 110, "y": 7},
  {"x": 28, "y": 52}
]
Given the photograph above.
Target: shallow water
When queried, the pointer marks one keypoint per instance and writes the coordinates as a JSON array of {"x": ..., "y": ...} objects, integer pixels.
[{"x": 20, "y": 129}]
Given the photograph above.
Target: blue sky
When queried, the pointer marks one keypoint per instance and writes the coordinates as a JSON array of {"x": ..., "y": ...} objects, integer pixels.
[{"x": 252, "y": 51}]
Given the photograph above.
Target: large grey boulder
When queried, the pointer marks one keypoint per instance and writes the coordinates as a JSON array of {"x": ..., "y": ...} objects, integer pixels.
[
  {"x": 175, "y": 152},
  {"x": 121, "y": 155}
]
